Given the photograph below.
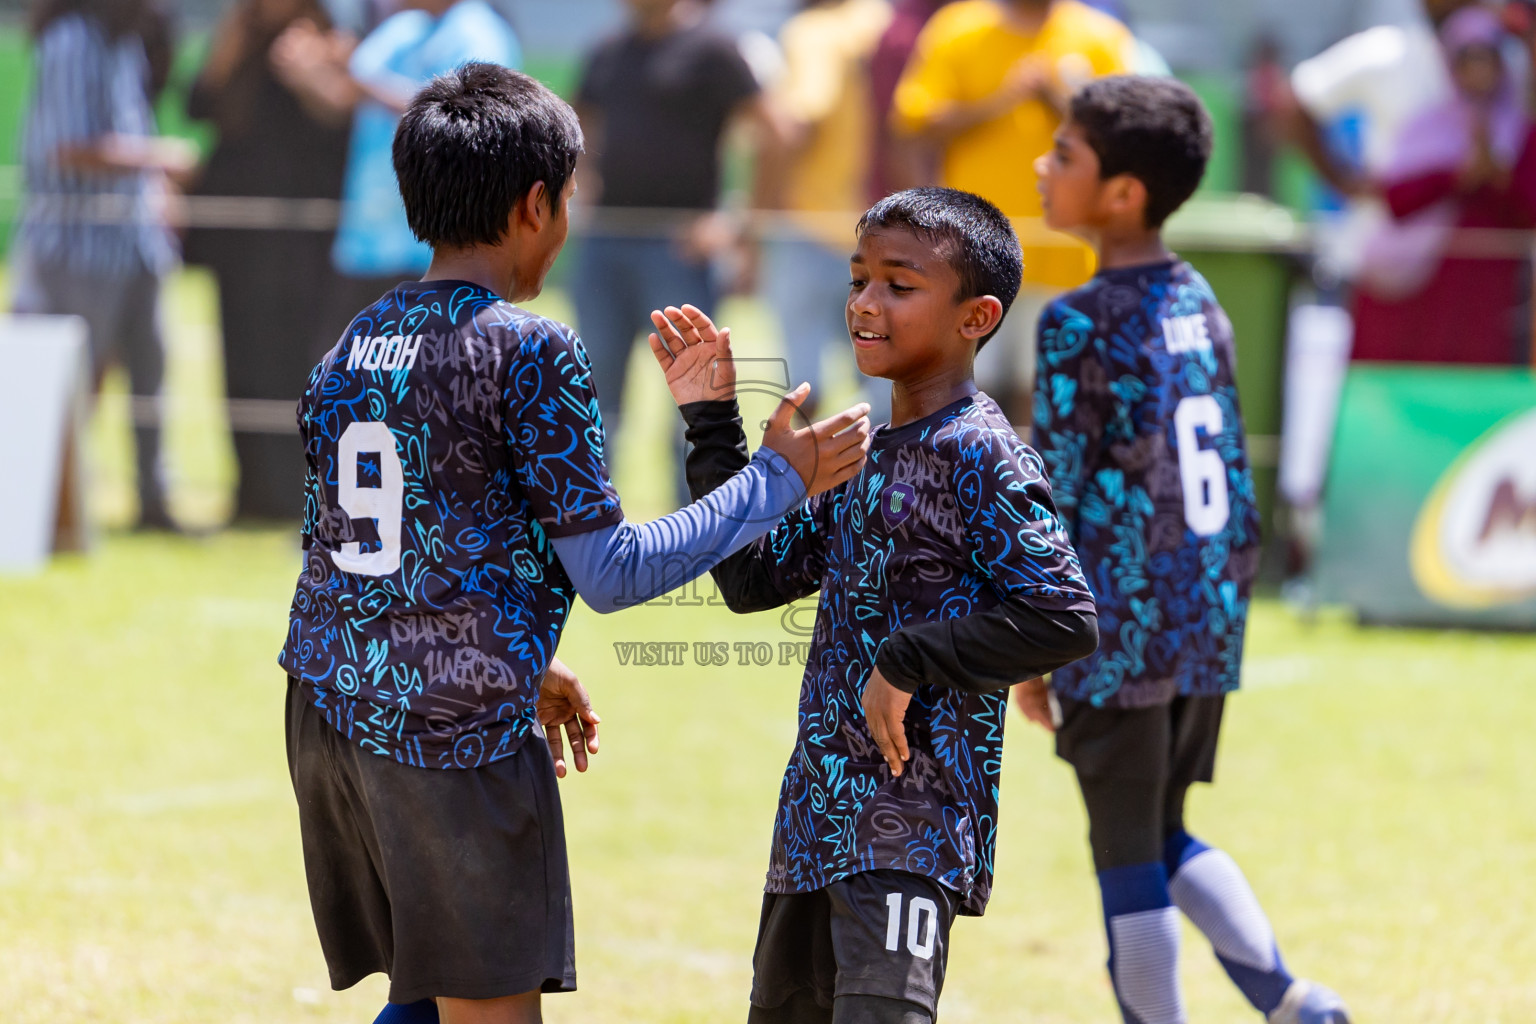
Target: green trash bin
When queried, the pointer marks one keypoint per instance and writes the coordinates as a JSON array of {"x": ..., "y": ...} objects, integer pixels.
[{"x": 1246, "y": 247}]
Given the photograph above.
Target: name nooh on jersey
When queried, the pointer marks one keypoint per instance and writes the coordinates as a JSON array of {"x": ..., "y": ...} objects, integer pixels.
[
  {"x": 1138, "y": 420},
  {"x": 448, "y": 436}
]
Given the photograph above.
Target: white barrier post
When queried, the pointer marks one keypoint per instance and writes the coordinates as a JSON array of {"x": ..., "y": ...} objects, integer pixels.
[{"x": 44, "y": 397}]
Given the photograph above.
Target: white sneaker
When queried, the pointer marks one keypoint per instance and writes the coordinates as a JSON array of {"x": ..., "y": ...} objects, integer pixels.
[{"x": 1307, "y": 1002}]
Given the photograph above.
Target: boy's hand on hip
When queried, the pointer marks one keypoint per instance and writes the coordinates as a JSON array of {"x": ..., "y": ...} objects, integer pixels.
[
  {"x": 885, "y": 708},
  {"x": 825, "y": 454},
  {"x": 563, "y": 702},
  {"x": 694, "y": 354},
  {"x": 1033, "y": 697}
]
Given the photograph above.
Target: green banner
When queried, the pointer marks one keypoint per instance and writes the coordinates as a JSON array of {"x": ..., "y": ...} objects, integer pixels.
[{"x": 1430, "y": 515}]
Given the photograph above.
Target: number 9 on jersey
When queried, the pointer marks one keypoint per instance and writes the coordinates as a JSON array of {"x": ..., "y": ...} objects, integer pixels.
[{"x": 385, "y": 503}]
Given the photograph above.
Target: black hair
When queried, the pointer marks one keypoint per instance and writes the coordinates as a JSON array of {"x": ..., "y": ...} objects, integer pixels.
[
  {"x": 472, "y": 143},
  {"x": 973, "y": 237},
  {"x": 1154, "y": 129}
]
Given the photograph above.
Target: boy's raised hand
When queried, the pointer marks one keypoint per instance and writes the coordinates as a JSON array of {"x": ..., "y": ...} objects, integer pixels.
[
  {"x": 825, "y": 454},
  {"x": 694, "y": 354}
]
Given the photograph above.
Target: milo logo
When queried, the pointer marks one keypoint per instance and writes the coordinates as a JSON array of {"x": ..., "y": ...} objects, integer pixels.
[{"x": 1474, "y": 545}]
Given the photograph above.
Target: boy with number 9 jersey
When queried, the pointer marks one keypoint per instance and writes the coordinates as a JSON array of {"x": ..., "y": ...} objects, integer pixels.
[
  {"x": 457, "y": 501},
  {"x": 1137, "y": 418}
]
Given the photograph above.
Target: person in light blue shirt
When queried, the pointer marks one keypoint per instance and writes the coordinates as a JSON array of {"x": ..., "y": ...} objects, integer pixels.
[{"x": 374, "y": 248}]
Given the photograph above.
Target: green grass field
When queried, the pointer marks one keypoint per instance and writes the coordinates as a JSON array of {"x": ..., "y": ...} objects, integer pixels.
[{"x": 1379, "y": 787}]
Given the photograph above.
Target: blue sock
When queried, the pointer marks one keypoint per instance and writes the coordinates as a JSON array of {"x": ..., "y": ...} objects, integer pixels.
[
  {"x": 1209, "y": 887},
  {"x": 422, "y": 1012},
  {"x": 1143, "y": 929}
]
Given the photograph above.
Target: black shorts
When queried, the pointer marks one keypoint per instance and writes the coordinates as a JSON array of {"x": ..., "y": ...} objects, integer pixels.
[
  {"x": 882, "y": 934},
  {"x": 453, "y": 882},
  {"x": 1135, "y": 766}
]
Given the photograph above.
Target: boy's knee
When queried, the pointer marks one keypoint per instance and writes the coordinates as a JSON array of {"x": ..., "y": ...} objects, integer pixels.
[
  {"x": 1179, "y": 848},
  {"x": 519, "y": 1009},
  {"x": 877, "y": 1010}
]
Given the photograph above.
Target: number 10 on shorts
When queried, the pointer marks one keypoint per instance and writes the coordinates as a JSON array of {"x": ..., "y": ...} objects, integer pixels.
[{"x": 922, "y": 925}]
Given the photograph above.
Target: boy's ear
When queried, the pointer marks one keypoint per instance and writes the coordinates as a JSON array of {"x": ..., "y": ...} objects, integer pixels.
[
  {"x": 1126, "y": 195},
  {"x": 535, "y": 206},
  {"x": 981, "y": 318}
]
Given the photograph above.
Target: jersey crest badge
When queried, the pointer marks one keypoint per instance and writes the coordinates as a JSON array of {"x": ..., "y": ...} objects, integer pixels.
[{"x": 896, "y": 504}]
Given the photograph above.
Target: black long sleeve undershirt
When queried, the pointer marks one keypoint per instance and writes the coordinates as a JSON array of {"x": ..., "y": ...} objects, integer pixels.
[
  {"x": 979, "y": 653},
  {"x": 717, "y": 450}
]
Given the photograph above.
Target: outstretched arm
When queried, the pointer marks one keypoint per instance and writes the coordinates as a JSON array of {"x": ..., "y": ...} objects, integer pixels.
[
  {"x": 787, "y": 563},
  {"x": 628, "y": 563}
]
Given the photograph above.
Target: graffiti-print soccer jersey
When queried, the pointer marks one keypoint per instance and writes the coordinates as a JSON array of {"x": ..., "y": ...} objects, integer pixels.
[
  {"x": 1137, "y": 418},
  {"x": 448, "y": 436},
  {"x": 949, "y": 514}
]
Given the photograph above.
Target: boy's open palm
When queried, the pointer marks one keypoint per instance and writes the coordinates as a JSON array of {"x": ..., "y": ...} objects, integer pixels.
[{"x": 694, "y": 354}]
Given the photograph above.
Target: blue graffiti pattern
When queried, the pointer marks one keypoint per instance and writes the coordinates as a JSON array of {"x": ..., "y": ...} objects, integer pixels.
[
  {"x": 1117, "y": 357},
  {"x": 948, "y": 515},
  {"x": 436, "y": 660}
]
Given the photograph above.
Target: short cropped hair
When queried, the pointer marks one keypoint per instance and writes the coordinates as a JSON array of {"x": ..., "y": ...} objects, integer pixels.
[
  {"x": 472, "y": 143},
  {"x": 1154, "y": 129},
  {"x": 972, "y": 236}
]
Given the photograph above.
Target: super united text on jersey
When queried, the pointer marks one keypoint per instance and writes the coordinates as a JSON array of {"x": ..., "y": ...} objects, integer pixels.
[{"x": 949, "y": 516}]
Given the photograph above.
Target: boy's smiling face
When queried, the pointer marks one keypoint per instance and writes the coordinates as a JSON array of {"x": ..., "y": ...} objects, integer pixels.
[{"x": 904, "y": 319}]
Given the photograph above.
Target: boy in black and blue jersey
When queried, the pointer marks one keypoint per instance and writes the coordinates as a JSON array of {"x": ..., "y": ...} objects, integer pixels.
[
  {"x": 457, "y": 502},
  {"x": 1137, "y": 418},
  {"x": 944, "y": 575}
]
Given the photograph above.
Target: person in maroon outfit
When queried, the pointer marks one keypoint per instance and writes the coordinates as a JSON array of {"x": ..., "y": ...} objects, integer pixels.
[
  {"x": 1438, "y": 286},
  {"x": 897, "y": 164}
]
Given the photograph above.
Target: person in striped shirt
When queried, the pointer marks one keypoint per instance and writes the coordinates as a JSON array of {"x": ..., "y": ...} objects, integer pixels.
[{"x": 92, "y": 239}]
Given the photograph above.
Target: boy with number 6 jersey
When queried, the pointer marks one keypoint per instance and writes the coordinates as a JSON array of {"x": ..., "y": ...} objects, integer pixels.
[{"x": 1136, "y": 415}]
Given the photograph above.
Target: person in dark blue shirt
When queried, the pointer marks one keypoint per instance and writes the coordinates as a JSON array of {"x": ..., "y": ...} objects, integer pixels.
[
  {"x": 1137, "y": 418},
  {"x": 945, "y": 577},
  {"x": 456, "y": 503}
]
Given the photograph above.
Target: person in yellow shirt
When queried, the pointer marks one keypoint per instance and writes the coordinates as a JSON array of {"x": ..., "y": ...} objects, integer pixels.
[
  {"x": 986, "y": 88},
  {"x": 823, "y": 98}
]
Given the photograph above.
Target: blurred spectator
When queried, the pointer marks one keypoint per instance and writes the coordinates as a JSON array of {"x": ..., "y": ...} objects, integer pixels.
[
  {"x": 1466, "y": 163},
  {"x": 655, "y": 102},
  {"x": 986, "y": 87},
  {"x": 1350, "y": 104},
  {"x": 156, "y": 30},
  {"x": 1264, "y": 105},
  {"x": 897, "y": 163},
  {"x": 374, "y": 248},
  {"x": 269, "y": 144},
  {"x": 357, "y": 17},
  {"x": 92, "y": 239},
  {"x": 824, "y": 95}
]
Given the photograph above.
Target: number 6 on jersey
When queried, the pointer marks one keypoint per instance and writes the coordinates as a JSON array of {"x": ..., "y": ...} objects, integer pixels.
[
  {"x": 1206, "y": 503},
  {"x": 384, "y": 504}
]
